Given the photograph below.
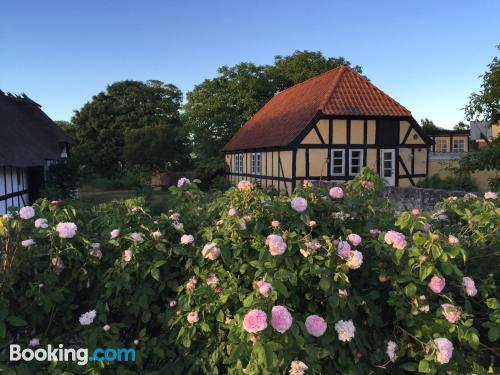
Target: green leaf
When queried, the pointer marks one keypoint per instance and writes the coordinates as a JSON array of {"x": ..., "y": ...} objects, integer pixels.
[
  {"x": 493, "y": 334},
  {"x": 280, "y": 288},
  {"x": 423, "y": 366},
  {"x": 409, "y": 366},
  {"x": 155, "y": 274},
  {"x": 493, "y": 303},
  {"x": 15, "y": 321},
  {"x": 410, "y": 290}
]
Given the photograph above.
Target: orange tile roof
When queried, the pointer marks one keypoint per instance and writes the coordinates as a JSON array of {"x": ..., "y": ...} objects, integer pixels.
[{"x": 340, "y": 91}]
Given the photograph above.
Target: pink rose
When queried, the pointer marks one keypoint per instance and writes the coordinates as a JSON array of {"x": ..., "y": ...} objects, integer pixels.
[
  {"x": 450, "y": 312},
  {"x": 374, "y": 232},
  {"x": 193, "y": 317},
  {"x": 437, "y": 284},
  {"x": 66, "y": 230},
  {"x": 281, "y": 319},
  {"x": 336, "y": 192},
  {"x": 444, "y": 350},
  {"x": 342, "y": 293},
  {"x": 211, "y": 251},
  {"x": 264, "y": 288},
  {"x": 299, "y": 204},
  {"x": 186, "y": 239},
  {"x": 34, "y": 342},
  {"x": 27, "y": 212},
  {"x": 343, "y": 248},
  {"x": 183, "y": 181},
  {"x": 127, "y": 255},
  {"x": 354, "y": 239},
  {"x": 115, "y": 233},
  {"x": 452, "y": 240},
  {"x": 232, "y": 212},
  {"x": 275, "y": 224},
  {"x": 137, "y": 237},
  {"x": 312, "y": 223},
  {"x": 355, "y": 260},
  {"x": 415, "y": 212},
  {"x": 276, "y": 244},
  {"x": 255, "y": 321},
  {"x": 470, "y": 286},
  {"x": 28, "y": 243},
  {"x": 490, "y": 195},
  {"x": 245, "y": 185},
  {"x": 172, "y": 303},
  {"x": 396, "y": 239},
  {"x": 106, "y": 327},
  {"x": 57, "y": 264},
  {"x": 315, "y": 325},
  {"x": 156, "y": 235}
]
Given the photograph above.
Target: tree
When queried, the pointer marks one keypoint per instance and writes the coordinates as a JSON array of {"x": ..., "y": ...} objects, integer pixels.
[
  {"x": 155, "y": 148},
  {"x": 428, "y": 125},
  {"x": 485, "y": 105},
  {"x": 461, "y": 126},
  {"x": 218, "y": 107},
  {"x": 99, "y": 127},
  {"x": 486, "y": 159}
]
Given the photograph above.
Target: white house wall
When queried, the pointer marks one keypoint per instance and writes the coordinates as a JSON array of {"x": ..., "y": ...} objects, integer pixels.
[{"x": 13, "y": 188}]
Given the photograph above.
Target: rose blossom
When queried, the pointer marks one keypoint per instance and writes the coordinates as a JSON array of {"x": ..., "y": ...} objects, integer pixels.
[
  {"x": 450, "y": 312},
  {"x": 41, "y": 223},
  {"x": 211, "y": 251},
  {"x": 191, "y": 284},
  {"x": 276, "y": 244},
  {"x": 115, "y": 233},
  {"x": 275, "y": 224},
  {"x": 355, "y": 260},
  {"x": 27, "y": 212},
  {"x": 186, "y": 239},
  {"x": 374, "y": 232},
  {"x": 444, "y": 350},
  {"x": 66, "y": 230},
  {"x": 183, "y": 181},
  {"x": 342, "y": 293},
  {"x": 34, "y": 342},
  {"x": 354, "y": 239},
  {"x": 470, "y": 286},
  {"x": 336, "y": 192},
  {"x": 156, "y": 235},
  {"x": 345, "y": 330},
  {"x": 232, "y": 212},
  {"x": 212, "y": 279},
  {"x": 137, "y": 237},
  {"x": 391, "y": 350},
  {"x": 178, "y": 226},
  {"x": 490, "y": 195},
  {"x": 343, "y": 248},
  {"x": 127, "y": 255},
  {"x": 452, "y": 240},
  {"x": 136, "y": 342},
  {"x": 299, "y": 204},
  {"x": 255, "y": 321},
  {"x": 437, "y": 284},
  {"x": 87, "y": 318},
  {"x": 414, "y": 212},
  {"x": 312, "y": 223},
  {"x": 396, "y": 239},
  {"x": 315, "y": 325},
  {"x": 172, "y": 303},
  {"x": 297, "y": 368},
  {"x": 28, "y": 243},
  {"x": 96, "y": 252},
  {"x": 57, "y": 264},
  {"x": 106, "y": 327},
  {"x": 281, "y": 319},
  {"x": 245, "y": 185},
  {"x": 193, "y": 317},
  {"x": 264, "y": 288}
]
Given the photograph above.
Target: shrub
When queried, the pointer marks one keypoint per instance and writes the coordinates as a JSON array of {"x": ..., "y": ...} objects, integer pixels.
[{"x": 332, "y": 283}]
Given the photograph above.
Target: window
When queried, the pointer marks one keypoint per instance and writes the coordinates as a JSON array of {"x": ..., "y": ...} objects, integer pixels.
[
  {"x": 458, "y": 145},
  {"x": 355, "y": 162},
  {"x": 238, "y": 161},
  {"x": 255, "y": 163},
  {"x": 441, "y": 145},
  {"x": 337, "y": 162}
]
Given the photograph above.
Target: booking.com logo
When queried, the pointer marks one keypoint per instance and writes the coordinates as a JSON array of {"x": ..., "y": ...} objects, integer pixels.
[{"x": 80, "y": 356}]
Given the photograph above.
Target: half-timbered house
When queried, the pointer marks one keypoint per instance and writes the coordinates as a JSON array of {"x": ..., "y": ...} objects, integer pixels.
[
  {"x": 29, "y": 142},
  {"x": 328, "y": 128}
]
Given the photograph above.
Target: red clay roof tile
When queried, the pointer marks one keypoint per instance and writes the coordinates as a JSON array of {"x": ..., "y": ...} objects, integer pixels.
[{"x": 340, "y": 91}]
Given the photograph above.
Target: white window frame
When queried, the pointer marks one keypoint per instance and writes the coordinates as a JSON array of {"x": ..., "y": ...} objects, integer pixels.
[
  {"x": 443, "y": 142},
  {"x": 256, "y": 163},
  {"x": 361, "y": 154},
  {"x": 459, "y": 149},
  {"x": 332, "y": 162},
  {"x": 238, "y": 163}
]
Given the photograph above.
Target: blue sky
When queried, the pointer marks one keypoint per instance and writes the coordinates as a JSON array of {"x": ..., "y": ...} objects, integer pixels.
[{"x": 426, "y": 54}]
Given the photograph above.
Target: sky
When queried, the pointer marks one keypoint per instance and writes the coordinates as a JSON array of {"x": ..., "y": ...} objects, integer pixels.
[{"x": 426, "y": 54}]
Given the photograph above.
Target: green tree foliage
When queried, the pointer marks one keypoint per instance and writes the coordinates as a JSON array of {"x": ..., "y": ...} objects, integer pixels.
[
  {"x": 486, "y": 103},
  {"x": 101, "y": 124},
  {"x": 461, "y": 126},
  {"x": 155, "y": 148},
  {"x": 218, "y": 107},
  {"x": 429, "y": 125},
  {"x": 486, "y": 159}
]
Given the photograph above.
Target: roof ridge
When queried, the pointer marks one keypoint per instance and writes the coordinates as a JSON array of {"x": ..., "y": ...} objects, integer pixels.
[{"x": 334, "y": 84}]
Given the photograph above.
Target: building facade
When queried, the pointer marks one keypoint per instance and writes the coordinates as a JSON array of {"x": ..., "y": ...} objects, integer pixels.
[
  {"x": 328, "y": 128},
  {"x": 29, "y": 142}
]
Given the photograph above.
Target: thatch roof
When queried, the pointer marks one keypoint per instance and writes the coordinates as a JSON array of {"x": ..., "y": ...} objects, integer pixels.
[{"x": 28, "y": 136}]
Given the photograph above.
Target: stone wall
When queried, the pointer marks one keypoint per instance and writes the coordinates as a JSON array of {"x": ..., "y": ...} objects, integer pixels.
[{"x": 407, "y": 198}]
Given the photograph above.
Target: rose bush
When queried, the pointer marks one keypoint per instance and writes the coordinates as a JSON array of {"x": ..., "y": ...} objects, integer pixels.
[{"x": 326, "y": 281}]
